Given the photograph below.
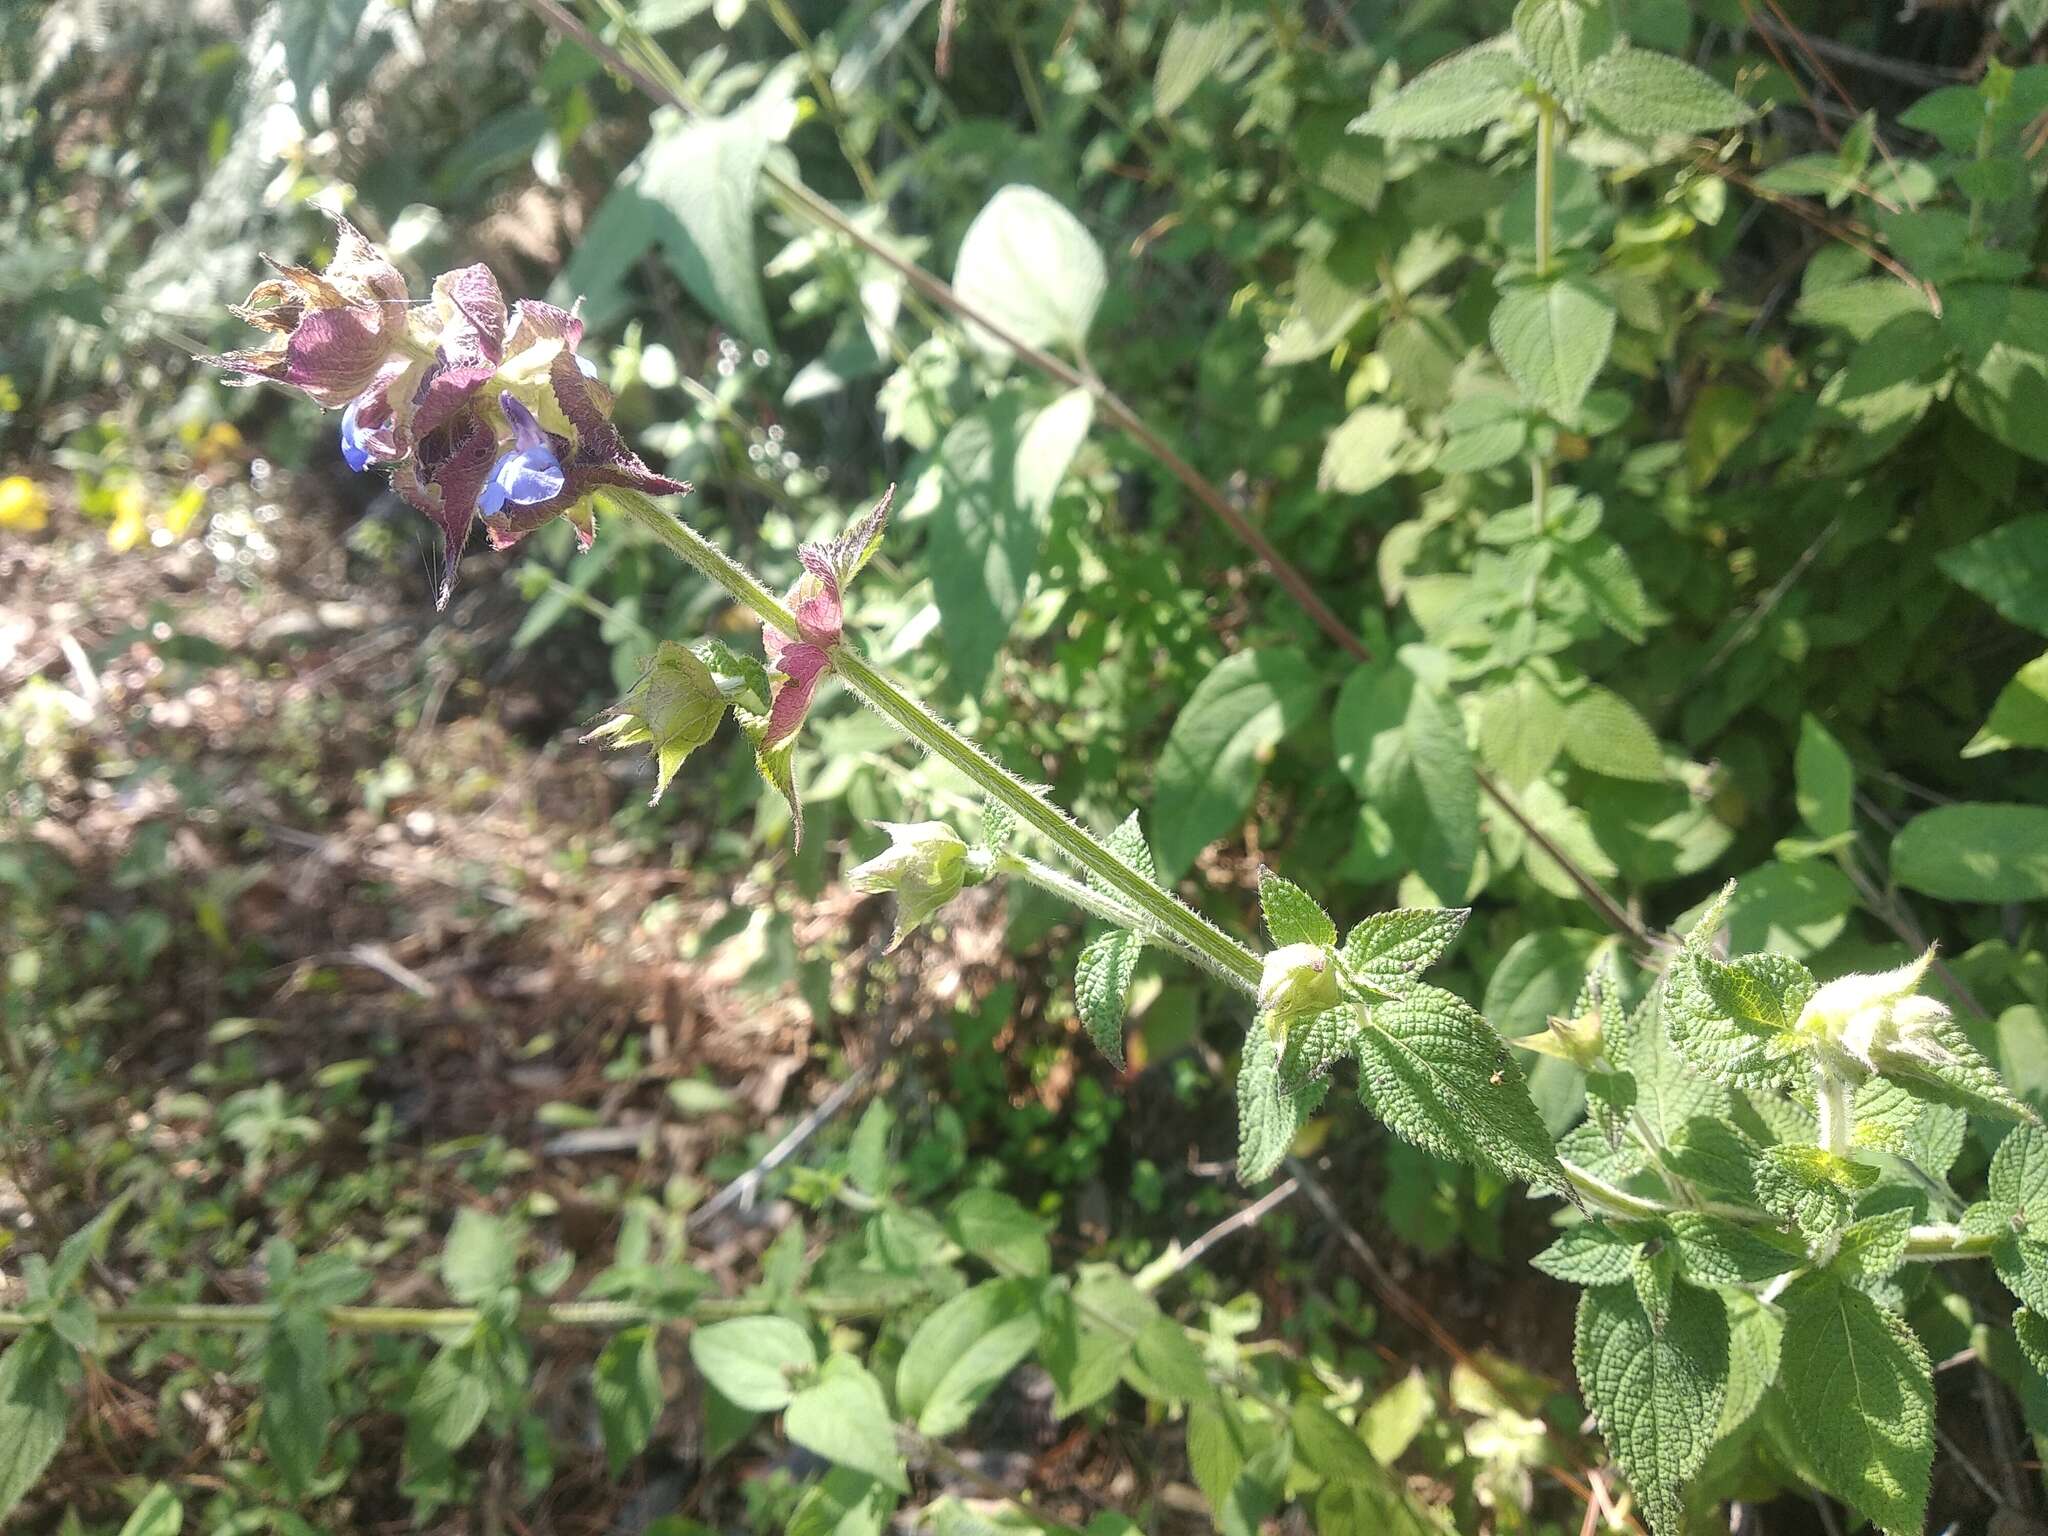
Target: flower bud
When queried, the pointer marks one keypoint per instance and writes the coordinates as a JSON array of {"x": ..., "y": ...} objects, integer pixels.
[
  {"x": 925, "y": 864},
  {"x": 674, "y": 708},
  {"x": 1578, "y": 1041},
  {"x": 1866, "y": 1024},
  {"x": 1299, "y": 980}
]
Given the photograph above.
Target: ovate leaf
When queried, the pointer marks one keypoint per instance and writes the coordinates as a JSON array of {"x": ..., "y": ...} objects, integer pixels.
[
  {"x": 959, "y": 1353},
  {"x": 1656, "y": 1393},
  {"x": 1562, "y": 39},
  {"x": 1268, "y": 1116},
  {"x": 754, "y": 1362},
  {"x": 2020, "y": 716},
  {"x": 1862, "y": 1400},
  {"x": 1592, "y": 1253},
  {"x": 844, "y": 1418},
  {"x": 1553, "y": 337},
  {"x": 1194, "y": 51},
  {"x": 34, "y": 1374},
  {"x": 627, "y": 1385},
  {"x": 1435, "y": 1071},
  {"x": 1390, "y": 949},
  {"x": 1975, "y": 852},
  {"x": 985, "y": 537},
  {"x": 1643, "y": 94},
  {"x": 1027, "y": 263},
  {"x": 1604, "y": 733},
  {"x": 1456, "y": 95},
  {"x": 1292, "y": 915},
  {"x": 1365, "y": 451},
  {"x": 1214, "y": 755},
  {"x": 2008, "y": 568},
  {"x": 1825, "y": 778},
  {"x": 997, "y": 1230}
]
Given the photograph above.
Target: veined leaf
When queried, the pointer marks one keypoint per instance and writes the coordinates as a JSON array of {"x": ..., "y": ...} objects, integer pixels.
[
  {"x": 1553, "y": 337},
  {"x": 963, "y": 1350},
  {"x": 1102, "y": 987},
  {"x": 1862, "y": 1400},
  {"x": 1562, "y": 39},
  {"x": 1390, "y": 949},
  {"x": 1456, "y": 95},
  {"x": 844, "y": 1418},
  {"x": 1193, "y": 52},
  {"x": 1656, "y": 1392},
  {"x": 1435, "y": 1071},
  {"x": 1292, "y": 915},
  {"x": 754, "y": 1362},
  {"x": 1591, "y": 1253},
  {"x": 1604, "y": 733},
  {"x": 1027, "y": 263},
  {"x": 1644, "y": 94},
  {"x": 1826, "y": 780},
  {"x": 1268, "y": 1117},
  {"x": 35, "y": 1372}
]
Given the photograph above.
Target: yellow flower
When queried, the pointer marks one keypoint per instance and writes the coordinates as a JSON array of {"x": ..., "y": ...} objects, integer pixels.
[
  {"x": 128, "y": 528},
  {"x": 23, "y": 506},
  {"x": 178, "y": 517}
]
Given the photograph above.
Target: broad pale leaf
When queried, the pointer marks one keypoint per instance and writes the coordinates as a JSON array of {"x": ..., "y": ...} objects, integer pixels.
[
  {"x": 1456, "y": 95},
  {"x": 1975, "y": 852},
  {"x": 753, "y": 1361},
  {"x": 1435, "y": 1071},
  {"x": 1862, "y": 1400},
  {"x": 1211, "y": 764},
  {"x": 1028, "y": 264},
  {"x": 997, "y": 1230},
  {"x": 1562, "y": 39},
  {"x": 1365, "y": 451},
  {"x": 1825, "y": 780},
  {"x": 1193, "y": 52},
  {"x": 1604, "y": 733},
  {"x": 1656, "y": 1393},
  {"x": 1552, "y": 337},
  {"x": 1644, "y": 94},
  {"x": 844, "y": 1418},
  {"x": 985, "y": 538}
]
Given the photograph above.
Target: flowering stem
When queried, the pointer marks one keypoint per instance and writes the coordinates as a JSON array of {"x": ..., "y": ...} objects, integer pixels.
[{"x": 1164, "y": 914}]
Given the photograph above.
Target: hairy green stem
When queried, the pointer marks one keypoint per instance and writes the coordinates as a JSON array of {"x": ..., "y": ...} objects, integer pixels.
[
  {"x": 1164, "y": 912},
  {"x": 1111, "y": 909},
  {"x": 1832, "y": 1098},
  {"x": 1546, "y": 157},
  {"x": 568, "y": 1314}
]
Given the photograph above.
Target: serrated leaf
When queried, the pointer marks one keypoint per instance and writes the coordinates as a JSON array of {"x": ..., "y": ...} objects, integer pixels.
[
  {"x": 1643, "y": 94},
  {"x": 627, "y": 1385},
  {"x": 1434, "y": 1070},
  {"x": 2032, "y": 1333},
  {"x": 1521, "y": 731},
  {"x": 1653, "y": 1273},
  {"x": 1029, "y": 264},
  {"x": 845, "y": 1419},
  {"x": 1317, "y": 1043},
  {"x": 1247, "y": 705},
  {"x": 1607, "y": 576},
  {"x": 753, "y": 1361},
  {"x": 1591, "y": 1253},
  {"x": 1715, "y": 1251},
  {"x": 1128, "y": 843},
  {"x": 1873, "y": 1248},
  {"x": 1656, "y": 1394},
  {"x": 1456, "y": 95},
  {"x": 963, "y": 1350},
  {"x": 1390, "y": 949},
  {"x": 1553, "y": 338},
  {"x": 1604, "y": 733},
  {"x": 1292, "y": 915},
  {"x": 1440, "y": 798},
  {"x": 1712, "y": 1040},
  {"x": 1763, "y": 993},
  {"x": 1268, "y": 1117},
  {"x": 480, "y": 1258},
  {"x": 1862, "y": 1400},
  {"x": 1813, "y": 1189},
  {"x": 1562, "y": 39},
  {"x": 448, "y": 1404},
  {"x": 1825, "y": 778},
  {"x": 1102, "y": 987},
  {"x": 1942, "y": 1065}
]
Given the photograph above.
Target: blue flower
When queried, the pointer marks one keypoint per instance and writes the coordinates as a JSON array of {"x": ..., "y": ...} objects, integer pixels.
[
  {"x": 527, "y": 472},
  {"x": 353, "y": 448}
]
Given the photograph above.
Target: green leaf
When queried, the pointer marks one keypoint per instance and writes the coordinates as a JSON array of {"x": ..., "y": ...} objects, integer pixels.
[
  {"x": 1128, "y": 843},
  {"x": 1390, "y": 949},
  {"x": 1941, "y": 1064},
  {"x": 2019, "y": 718},
  {"x": 1247, "y": 705},
  {"x": 1435, "y": 1071},
  {"x": 1046, "y": 451},
  {"x": 2008, "y": 568},
  {"x": 1194, "y": 52},
  {"x": 1826, "y": 780},
  {"x": 1437, "y": 800},
  {"x": 1456, "y": 95},
  {"x": 481, "y": 1257},
  {"x": 1612, "y": 589},
  {"x": 692, "y": 193},
  {"x": 318, "y": 37},
  {"x": 1642, "y": 94},
  {"x": 1975, "y": 852},
  {"x": 1591, "y": 1253},
  {"x": 448, "y": 1404},
  {"x": 1699, "y": 1010},
  {"x": 159, "y": 1514},
  {"x": 1562, "y": 39},
  {"x": 1604, "y": 733},
  {"x": 1553, "y": 337},
  {"x": 1333, "y": 1448},
  {"x": 1873, "y": 1248},
  {"x": 1861, "y": 1398},
  {"x": 1268, "y": 1117},
  {"x": 1102, "y": 988},
  {"x": 845, "y": 1419},
  {"x": 1656, "y": 1393},
  {"x": 1001, "y": 1233},
  {"x": 963, "y": 1350},
  {"x": 297, "y": 1406},
  {"x": 627, "y": 1385},
  {"x": 754, "y": 1362},
  {"x": 1715, "y": 1251},
  {"x": 34, "y": 1373},
  {"x": 1813, "y": 1189},
  {"x": 1521, "y": 731},
  {"x": 674, "y": 708},
  {"x": 1028, "y": 264},
  {"x": 1291, "y": 914},
  {"x": 842, "y": 1503},
  {"x": 1365, "y": 451},
  {"x": 985, "y": 538}
]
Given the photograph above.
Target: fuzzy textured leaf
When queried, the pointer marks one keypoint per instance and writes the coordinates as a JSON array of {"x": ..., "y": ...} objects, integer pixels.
[
  {"x": 1456, "y": 95},
  {"x": 1644, "y": 94},
  {"x": 1292, "y": 915},
  {"x": 1390, "y": 949},
  {"x": 1656, "y": 1393},
  {"x": 1102, "y": 989},
  {"x": 1553, "y": 337}
]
